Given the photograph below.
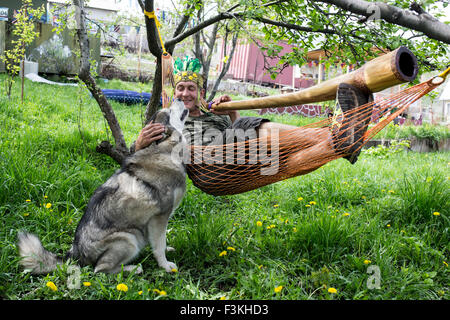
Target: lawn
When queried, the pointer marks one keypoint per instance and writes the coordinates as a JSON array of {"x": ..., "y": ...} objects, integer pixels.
[{"x": 374, "y": 230}]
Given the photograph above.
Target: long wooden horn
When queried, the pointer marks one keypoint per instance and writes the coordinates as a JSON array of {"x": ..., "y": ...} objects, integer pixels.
[{"x": 385, "y": 71}]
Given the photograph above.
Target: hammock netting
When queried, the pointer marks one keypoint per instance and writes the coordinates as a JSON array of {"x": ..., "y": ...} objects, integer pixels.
[{"x": 246, "y": 165}]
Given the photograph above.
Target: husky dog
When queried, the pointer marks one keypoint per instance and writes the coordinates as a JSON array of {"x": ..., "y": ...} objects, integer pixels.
[{"x": 130, "y": 210}]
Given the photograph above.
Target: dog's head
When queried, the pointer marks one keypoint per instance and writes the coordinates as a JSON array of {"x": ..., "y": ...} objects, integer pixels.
[{"x": 172, "y": 118}]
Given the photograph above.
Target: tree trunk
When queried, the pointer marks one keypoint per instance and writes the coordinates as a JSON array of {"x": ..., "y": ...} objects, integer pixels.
[
  {"x": 226, "y": 65},
  {"x": 120, "y": 150},
  {"x": 156, "y": 50},
  {"x": 210, "y": 42}
]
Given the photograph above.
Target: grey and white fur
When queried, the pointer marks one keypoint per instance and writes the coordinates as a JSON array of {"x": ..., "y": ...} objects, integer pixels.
[{"x": 130, "y": 210}]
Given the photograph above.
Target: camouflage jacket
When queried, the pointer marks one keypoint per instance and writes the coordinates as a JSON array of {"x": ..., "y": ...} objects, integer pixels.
[{"x": 203, "y": 130}]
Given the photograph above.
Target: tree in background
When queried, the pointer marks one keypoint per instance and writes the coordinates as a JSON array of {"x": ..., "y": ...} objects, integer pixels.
[{"x": 23, "y": 34}]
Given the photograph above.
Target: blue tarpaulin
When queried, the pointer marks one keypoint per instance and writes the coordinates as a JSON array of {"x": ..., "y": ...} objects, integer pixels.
[{"x": 126, "y": 96}]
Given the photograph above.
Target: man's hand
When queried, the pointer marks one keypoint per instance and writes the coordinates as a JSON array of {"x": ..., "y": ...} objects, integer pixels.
[
  {"x": 233, "y": 114},
  {"x": 149, "y": 134}
]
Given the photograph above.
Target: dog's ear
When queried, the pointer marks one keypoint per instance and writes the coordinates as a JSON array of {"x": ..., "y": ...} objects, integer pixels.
[{"x": 153, "y": 117}]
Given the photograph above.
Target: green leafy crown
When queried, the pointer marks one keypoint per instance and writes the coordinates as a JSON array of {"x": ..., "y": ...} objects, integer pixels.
[{"x": 187, "y": 64}]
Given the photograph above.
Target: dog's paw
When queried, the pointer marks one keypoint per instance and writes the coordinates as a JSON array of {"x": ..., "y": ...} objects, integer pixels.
[
  {"x": 169, "y": 249},
  {"x": 170, "y": 267},
  {"x": 130, "y": 268}
]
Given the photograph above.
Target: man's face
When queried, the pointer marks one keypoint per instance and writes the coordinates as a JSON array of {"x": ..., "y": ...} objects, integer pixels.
[{"x": 187, "y": 91}]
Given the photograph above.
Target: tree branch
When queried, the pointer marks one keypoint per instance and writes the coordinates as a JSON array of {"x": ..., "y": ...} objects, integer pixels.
[
  {"x": 180, "y": 37},
  {"x": 423, "y": 22}
]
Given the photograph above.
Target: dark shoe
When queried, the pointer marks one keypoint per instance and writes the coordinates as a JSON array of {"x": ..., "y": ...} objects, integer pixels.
[
  {"x": 361, "y": 123},
  {"x": 348, "y": 130}
]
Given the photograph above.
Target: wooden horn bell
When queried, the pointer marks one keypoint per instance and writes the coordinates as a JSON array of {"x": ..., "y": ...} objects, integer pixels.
[{"x": 385, "y": 71}]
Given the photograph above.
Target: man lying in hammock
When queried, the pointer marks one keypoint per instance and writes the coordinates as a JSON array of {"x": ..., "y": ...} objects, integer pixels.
[{"x": 313, "y": 146}]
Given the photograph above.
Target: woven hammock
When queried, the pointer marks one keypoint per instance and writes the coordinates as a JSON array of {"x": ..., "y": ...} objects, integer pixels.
[{"x": 247, "y": 165}]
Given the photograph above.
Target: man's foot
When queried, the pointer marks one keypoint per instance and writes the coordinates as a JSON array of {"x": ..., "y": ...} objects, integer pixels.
[{"x": 348, "y": 130}]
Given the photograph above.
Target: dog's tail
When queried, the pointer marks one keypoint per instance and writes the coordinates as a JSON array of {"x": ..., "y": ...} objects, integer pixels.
[{"x": 35, "y": 258}]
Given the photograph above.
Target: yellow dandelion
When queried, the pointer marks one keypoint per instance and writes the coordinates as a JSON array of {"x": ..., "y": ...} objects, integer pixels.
[
  {"x": 278, "y": 289},
  {"x": 28, "y": 200},
  {"x": 195, "y": 75},
  {"x": 388, "y": 225},
  {"x": 332, "y": 290},
  {"x": 48, "y": 205},
  {"x": 174, "y": 270},
  {"x": 140, "y": 293},
  {"x": 391, "y": 191},
  {"x": 45, "y": 197},
  {"x": 191, "y": 78},
  {"x": 367, "y": 261},
  {"x": 52, "y": 286},
  {"x": 307, "y": 205},
  {"x": 231, "y": 249},
  {"x": 162, "y": 293},
  {"x": 122, "y": 287},
  {"x": 223, "y": 298},
  {"x": 436, "y": 213},
  {"x": 223, "y": 253},
  {"x": 276, "y": 205},
  {"x": 299, "y": 199},
  {"x": 445, "y": 263},
  {"x": 260, "y": 266},
  {"x": 155, "y": 290},
  {"x": 259, "y": 223},
  {"x": 346, "y": 214},
  {"x": 312, "y": 202},
  {"x": 184, "y": 74},
  {"x": 87, "y": 284}
]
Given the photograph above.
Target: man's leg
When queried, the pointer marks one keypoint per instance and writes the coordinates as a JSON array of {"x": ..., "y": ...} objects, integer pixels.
[
  {"x": 302, "y": 149},
  {"x": 321, "y": 145},
  {"x": 349, "y": 127},
  {"x": 305, "y": 136}
]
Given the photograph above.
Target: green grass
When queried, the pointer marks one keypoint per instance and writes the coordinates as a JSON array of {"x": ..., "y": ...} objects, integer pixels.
[
  {"x": 426, "y": 131},
  {"x": 378, "y": 212}
]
